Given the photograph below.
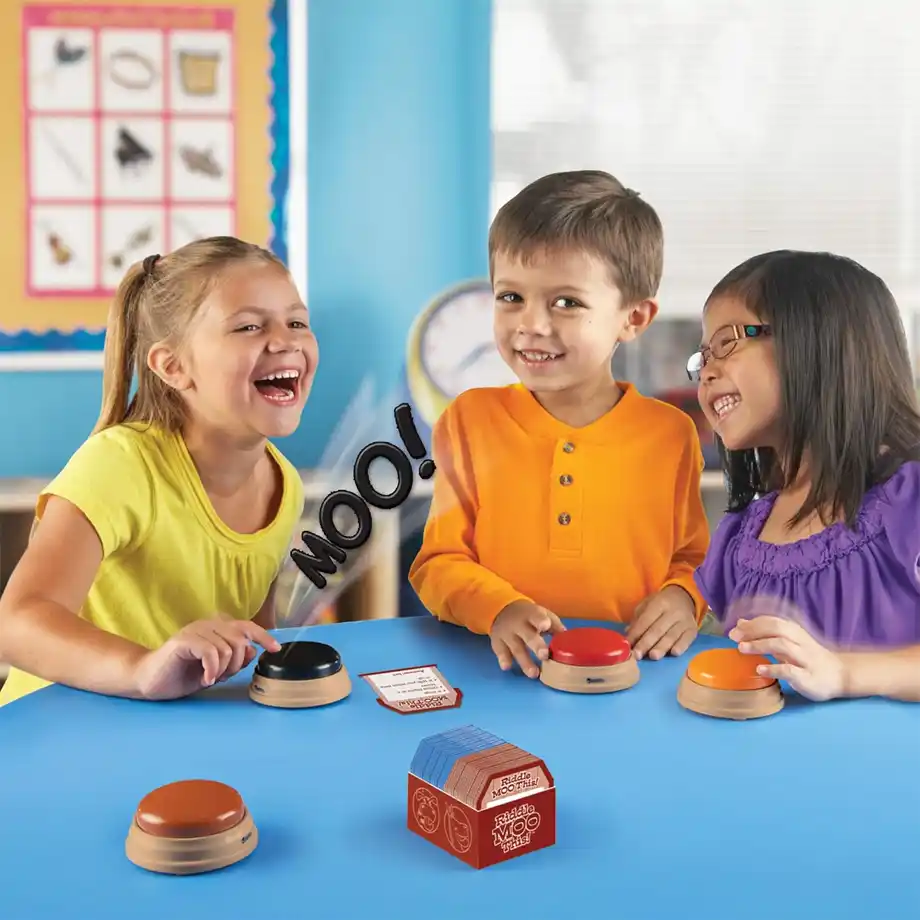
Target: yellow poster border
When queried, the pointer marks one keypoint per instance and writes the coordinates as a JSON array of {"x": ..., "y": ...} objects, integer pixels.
[{"x": 252, "y": 115}]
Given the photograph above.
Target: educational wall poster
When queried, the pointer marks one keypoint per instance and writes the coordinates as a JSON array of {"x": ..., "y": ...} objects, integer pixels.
[{"x": 138, "y": 127}]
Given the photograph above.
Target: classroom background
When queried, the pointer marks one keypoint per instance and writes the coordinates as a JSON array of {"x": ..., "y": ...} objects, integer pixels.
[{"x": 374, "y": 142}]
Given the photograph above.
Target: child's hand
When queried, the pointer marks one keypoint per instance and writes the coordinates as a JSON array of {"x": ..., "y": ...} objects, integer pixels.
[
  {"x": 664, "y": 622},
  {"x": 518, "y": 631},
  {"x": 200, "y": 655},
  {"x": 807, "y": 666}
]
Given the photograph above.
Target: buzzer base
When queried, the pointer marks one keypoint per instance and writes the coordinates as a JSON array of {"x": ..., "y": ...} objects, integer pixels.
[
  {"x": 730, "y": 704},
  {"x": 191, "y": 855},
  {"x": 300, "y": 694},
  {"x": 603, "y": 679}
]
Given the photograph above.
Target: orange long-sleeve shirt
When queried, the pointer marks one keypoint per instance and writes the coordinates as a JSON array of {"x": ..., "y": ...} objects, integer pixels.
[{"x": 586, "y": 522}]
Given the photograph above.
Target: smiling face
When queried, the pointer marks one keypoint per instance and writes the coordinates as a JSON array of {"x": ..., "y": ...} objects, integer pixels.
[
  {"x": 740, "y": 393},
  {"x": 247, "y": 362},
  {"x": 559, "y": 317}
]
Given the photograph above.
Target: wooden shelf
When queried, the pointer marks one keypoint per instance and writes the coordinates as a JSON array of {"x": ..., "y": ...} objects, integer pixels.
[
  {"x": 712, "y": 481},
  {"x": 20, "y": 495}
]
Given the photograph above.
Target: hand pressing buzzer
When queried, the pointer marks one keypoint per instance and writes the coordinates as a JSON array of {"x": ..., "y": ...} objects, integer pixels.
[
  {"x": 804, "y": 663},
  {"x": 517, "y": 635},
  {"x": 200, "y": 655},
  {"x": 664, "y": 623},
  {"x": 821, "y": 673}
]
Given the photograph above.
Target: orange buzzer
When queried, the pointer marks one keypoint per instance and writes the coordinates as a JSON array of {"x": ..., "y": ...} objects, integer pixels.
[{"x": 724, "y": 683}]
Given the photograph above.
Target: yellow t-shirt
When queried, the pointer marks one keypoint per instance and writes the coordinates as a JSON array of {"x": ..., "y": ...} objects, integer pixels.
[{"x": 168, "y": 559}]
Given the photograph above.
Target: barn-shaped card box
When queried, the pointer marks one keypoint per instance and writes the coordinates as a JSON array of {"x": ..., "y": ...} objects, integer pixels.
[{"x": 480, "y": 798}]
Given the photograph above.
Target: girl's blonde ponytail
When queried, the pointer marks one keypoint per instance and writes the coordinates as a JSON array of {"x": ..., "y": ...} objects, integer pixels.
[
  {"x": 120, "y": 352},
  {"x": 155, "y": 302}
]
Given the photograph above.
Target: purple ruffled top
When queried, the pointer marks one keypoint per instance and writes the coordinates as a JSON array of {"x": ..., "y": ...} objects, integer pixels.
[{"x": 847, "y": 587}]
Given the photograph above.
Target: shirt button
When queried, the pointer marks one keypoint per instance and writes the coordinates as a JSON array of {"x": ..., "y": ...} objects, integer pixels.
[
  {"x": 565, "y": 479},
  {"x": 564, "y": 518},
  {"x": 568, "y": 447}
]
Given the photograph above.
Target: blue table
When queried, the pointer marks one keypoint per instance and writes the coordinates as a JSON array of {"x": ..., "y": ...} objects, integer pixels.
[{"x": 813, "y": 813}]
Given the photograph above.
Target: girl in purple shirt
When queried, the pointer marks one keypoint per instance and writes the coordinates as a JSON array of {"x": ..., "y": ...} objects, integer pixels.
[{"x": 806, "y": 379}]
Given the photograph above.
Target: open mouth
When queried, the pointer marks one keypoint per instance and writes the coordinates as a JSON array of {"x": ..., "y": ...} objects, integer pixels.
[
  {"x": 280, "y": 387},
  {"x": 536, "y": 358},
  {"x": 725, "y": 405}
]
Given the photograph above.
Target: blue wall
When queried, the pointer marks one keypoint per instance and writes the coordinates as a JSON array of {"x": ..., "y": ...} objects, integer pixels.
[{"x": 398, "y": 182}]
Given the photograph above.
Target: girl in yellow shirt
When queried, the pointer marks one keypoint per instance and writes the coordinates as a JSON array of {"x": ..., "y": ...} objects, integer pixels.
[{"x": 152, "y": 561}]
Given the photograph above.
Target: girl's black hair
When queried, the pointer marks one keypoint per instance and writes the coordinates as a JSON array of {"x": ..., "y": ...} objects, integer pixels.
[{"x": 846, "y": 384}]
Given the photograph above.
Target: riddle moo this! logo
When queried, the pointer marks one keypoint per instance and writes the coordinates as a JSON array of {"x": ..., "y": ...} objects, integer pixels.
[
  {"x": 324, "y": 553},
  {"x": 515, "y": 828}
]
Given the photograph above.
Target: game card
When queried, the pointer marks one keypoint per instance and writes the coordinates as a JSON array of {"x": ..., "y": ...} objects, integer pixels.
[{"x": 408, "y": 690}]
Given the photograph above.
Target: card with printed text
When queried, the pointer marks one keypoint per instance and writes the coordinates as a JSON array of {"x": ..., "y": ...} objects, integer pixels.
[{"x": 409, "y": 690}]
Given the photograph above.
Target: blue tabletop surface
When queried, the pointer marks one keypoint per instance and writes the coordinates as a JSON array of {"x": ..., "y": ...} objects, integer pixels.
[{"x": 812, "y": 813}]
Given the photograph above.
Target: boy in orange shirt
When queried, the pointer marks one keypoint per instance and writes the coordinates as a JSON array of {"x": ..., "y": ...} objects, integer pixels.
[{"x": 569, "y": 494}]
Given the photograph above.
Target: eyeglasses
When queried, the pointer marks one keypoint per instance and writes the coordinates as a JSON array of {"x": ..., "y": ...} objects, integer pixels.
[{"x": 721, "y": 345}]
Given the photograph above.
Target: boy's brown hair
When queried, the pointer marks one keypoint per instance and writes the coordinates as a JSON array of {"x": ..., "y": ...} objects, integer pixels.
[{"x": 591, "y": 211}]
